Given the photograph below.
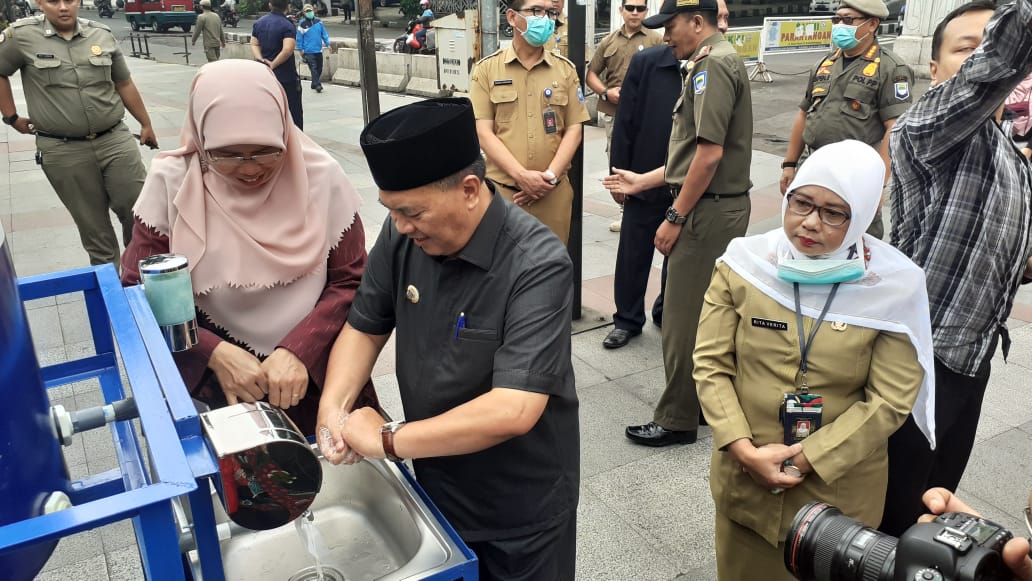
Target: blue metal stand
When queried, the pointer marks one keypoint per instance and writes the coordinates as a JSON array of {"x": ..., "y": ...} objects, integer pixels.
[{"x": 129, "y": 491}]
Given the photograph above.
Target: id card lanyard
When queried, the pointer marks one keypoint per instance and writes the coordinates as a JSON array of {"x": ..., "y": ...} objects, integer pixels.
[{"x": 804, "y": 343}]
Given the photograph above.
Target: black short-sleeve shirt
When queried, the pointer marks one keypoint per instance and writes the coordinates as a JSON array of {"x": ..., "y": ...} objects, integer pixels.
[{"x": 513, "y": 284}]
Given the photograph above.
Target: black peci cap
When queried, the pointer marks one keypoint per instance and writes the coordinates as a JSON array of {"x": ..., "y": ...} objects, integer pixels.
[
  {"x": 418, "y": 144},
  {"x": 672, "y": 8}
]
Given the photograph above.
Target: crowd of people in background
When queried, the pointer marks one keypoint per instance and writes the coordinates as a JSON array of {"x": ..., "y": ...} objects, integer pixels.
[{"x": 830, "y": 365}]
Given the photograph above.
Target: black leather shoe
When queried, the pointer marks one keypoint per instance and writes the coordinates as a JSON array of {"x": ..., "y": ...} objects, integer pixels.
[
  {"x": 618, "y": 338},
  {"x": 653, "y": 434}
]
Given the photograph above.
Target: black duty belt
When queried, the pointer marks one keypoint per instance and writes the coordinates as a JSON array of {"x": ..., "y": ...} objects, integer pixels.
[
  {"x": 89, "y": 137},
  {"x": 675, "y": 190}
]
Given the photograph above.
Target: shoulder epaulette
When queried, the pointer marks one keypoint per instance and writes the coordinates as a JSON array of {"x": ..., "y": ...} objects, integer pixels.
[{"x": 94, "y": 24}]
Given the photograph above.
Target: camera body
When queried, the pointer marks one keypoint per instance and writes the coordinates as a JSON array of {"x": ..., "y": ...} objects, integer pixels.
[
  {"x": 825, "y": 545},
  {"x": 954, "y": 546}
]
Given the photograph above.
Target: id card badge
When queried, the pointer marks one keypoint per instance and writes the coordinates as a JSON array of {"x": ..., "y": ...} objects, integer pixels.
[
  {"x": 551, "y": 125},
  {"x": 550, "y": 122},
  {"x": 800, "y": 415}
]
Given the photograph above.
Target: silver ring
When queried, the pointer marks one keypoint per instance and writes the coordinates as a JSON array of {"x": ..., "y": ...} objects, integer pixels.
[{"x": 776, "y": 491}]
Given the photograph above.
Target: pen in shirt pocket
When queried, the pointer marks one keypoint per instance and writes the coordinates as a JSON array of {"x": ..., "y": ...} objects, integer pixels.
[{"x": 460, "y": 324}]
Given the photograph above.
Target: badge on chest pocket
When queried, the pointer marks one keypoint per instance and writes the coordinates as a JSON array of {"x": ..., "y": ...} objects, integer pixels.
[{"x": 549, "y": 117}]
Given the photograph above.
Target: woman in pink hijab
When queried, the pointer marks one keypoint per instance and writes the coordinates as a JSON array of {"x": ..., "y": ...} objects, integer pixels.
[{"x": 270, "y": 226}]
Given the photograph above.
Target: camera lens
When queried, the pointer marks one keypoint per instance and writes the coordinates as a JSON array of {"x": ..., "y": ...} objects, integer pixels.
[{"x": 824, "y": 545}]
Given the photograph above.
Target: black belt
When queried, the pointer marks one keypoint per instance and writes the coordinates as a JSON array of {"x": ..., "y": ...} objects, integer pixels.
[
  {"x": 675, "y": 190},
  {"x": 89, "y": 137}
]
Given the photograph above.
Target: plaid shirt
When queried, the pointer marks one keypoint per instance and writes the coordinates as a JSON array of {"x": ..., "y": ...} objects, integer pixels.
[{"x": 961, "y": 194}]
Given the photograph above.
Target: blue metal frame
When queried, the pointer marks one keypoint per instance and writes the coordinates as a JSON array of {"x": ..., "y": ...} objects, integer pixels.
[
  {"x": 179, "y": 455},
  {"x": 128, "y": 491}
]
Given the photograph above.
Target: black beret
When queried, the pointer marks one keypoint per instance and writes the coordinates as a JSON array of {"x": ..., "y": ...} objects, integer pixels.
[{"x": 421, "y": 143}]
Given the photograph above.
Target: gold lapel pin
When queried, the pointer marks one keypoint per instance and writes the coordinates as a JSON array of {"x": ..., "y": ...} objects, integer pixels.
[
  {"x": 838, "y": 326},
  {"x": 412, "y": 294}
]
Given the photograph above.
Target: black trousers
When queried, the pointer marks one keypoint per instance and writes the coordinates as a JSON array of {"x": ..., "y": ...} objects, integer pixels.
[
  {"x": 913, "y": 467},
  {"x": 548, "y": 555},
  {"x": 293, "y": 91},
  {"x": 638, "y": 227}
]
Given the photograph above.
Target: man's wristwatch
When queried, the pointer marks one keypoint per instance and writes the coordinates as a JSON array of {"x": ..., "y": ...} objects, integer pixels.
[
  {"x": 789, "y": 164},
  {"x": 673, "y": 217},
  {"x": 10, "y": 120},
  {"x": 387, "y": 432},
  {"x": 604, "y": 95}
]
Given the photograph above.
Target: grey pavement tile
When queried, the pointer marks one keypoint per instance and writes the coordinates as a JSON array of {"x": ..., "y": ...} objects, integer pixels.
[
  {"x": 99, "y": 463},
  {"x": 70, "y": 297},
  {"x": 50, "y": 355},
  {"x": 390, "y": 398},
  {"x": 640, "y": 354},
  {"x": 80, "y": 549},
  {"x": 89, "y": 398},
  {"x": 37, "y": 303},
  {"x": 1007, "y": 387},
  {"x": 989, "y": 426},
  {"x": 647, "y": 386},
  {"x": 598, "y": 259},
  {"x": 124, "y": 565},
  {"x": 586, "y": 375},
  {"x": 118, "y": 535},
  {"x": 94, "y": 569},
  {"x": 45, "y": 325},
  {"x": 999, "y": 471},
  {"x": 665, "y": 498},
  {"x": 78, "y": 471},
  {"x": 80, "y": 350},
  {"x": 87, "y": 385},
  {"x": 605, "y": 411},
  {"x": 612, "y": 550},
  {"x": 99, "y": 444},
  {"x": 38, "y": 260},
  {"x": 75, "y": 453},
  {"x": 75, "y": 324}
]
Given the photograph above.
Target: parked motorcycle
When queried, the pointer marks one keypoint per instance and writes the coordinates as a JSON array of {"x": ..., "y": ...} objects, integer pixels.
[
  {"x": 229, "y": 16},
  {"x": 503, "y": 23},
  {"x": 409, "y": 42},
  {"x": 104, "y": 8}
]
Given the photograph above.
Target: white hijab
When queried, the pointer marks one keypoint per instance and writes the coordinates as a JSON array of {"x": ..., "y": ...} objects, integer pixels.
[{"x": 891, "y": 296}]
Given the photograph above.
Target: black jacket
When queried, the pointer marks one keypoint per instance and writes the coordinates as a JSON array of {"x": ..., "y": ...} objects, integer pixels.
[{"x": 644, "y": 115}]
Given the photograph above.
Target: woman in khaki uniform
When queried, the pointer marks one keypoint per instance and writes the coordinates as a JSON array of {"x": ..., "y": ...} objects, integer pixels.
[{"x": 859, "y": 309}]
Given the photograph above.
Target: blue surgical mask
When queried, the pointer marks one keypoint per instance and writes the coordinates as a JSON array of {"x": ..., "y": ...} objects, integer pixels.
[
  {"x": 539, "y": 30},
  {"x": 844, "y": 36},
  {"x": 309, "y": 15},
  {"x": 820, "y": 271}
]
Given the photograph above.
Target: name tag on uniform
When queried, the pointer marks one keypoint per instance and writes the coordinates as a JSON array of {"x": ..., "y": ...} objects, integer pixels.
[
  {"x": 40, "y": 55},
  {"x": 503, "y": 82},
  {"x": 769, "y": 324}
]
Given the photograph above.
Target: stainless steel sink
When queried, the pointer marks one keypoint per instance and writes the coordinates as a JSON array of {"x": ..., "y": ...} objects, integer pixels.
[{"x": 374, "y": 524}]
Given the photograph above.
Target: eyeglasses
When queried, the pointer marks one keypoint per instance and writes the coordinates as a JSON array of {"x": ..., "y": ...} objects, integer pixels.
[
  {"x": 829, "y": 216},
  {"x": 235, "y": 161},
  {"x": 539, "y": 12},
  {"x": 633, "y": 8},
  {"x": 849, "y": 20}
]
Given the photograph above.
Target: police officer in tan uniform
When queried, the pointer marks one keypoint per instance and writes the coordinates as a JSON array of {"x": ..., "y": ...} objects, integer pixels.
[
  {"x": 209, "y": 26},
  {"x": 855, "y": 92},
  {"x": 707, "y": 170},
  {"x": 613, "y": 54},
  {"x": 77, "y": 88},
  {"x": 529, "y": 109}
]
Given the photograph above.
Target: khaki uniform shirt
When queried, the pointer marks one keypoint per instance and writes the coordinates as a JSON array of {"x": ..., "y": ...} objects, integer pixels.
[
  {"x": 515, "y": 98},
  {"x": 715, "y": 105},
  {"x": 855, "y": 102},
  {"x": 559, "y": 43},
  {"x": 210, "y": 25},
  {"x": 69, "y": 84},
  {"x": 747, "y": 358},
  {"x": 613, "y": 56}
]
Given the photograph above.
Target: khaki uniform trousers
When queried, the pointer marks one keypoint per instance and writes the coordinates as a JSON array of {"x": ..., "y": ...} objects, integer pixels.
[
  {"x": 743, "y": 555},
  {"x": 554, "y": 210},
  {"x": 711, "y": 225},
  {"x": 91, "y": 177},
  {"x": 212, "y": 53}
]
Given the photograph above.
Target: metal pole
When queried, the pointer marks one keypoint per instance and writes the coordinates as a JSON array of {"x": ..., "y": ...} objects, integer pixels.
[
  {"x": 367, "y": 62},
  {"x": 489, "y": 27},
  {"x": 576, "y": 35}
]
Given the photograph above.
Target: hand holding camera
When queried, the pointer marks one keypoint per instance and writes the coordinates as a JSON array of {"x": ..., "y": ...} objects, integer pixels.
[{"x": 1015, "y": 552}]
